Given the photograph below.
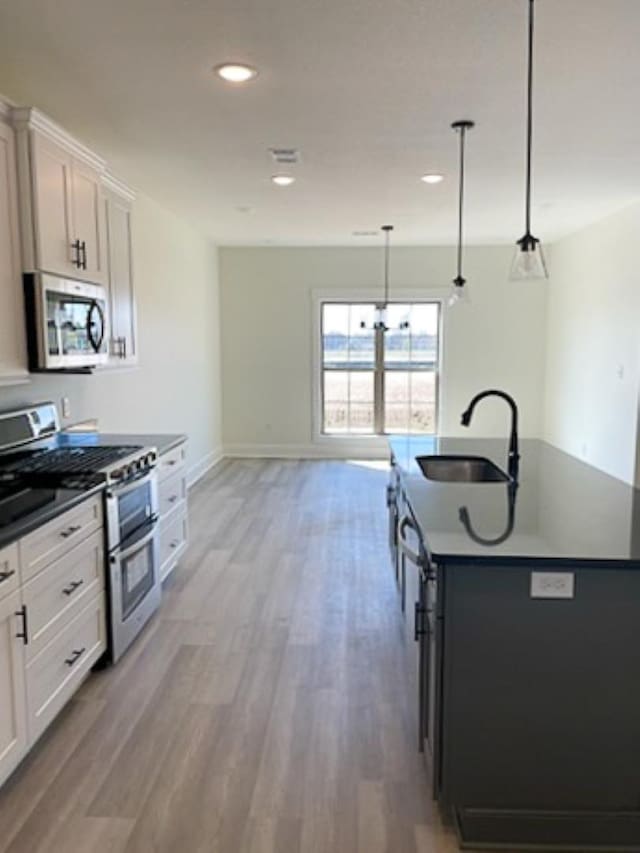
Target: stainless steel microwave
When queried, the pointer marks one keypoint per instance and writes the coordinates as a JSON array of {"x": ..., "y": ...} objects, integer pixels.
[{"x": 67, "y": 323}]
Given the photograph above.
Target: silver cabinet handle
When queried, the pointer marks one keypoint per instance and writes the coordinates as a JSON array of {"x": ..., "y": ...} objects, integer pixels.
[
  {"x": 406, "y": 549},
  {"x": 73, "y": 586},
  {"x": 4, "y": 576},
  {"x": 71, "y": 530}
]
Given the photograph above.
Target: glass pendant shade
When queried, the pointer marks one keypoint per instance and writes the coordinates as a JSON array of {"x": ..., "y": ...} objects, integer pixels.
[
  {"x": 528, "y": 261},
  {"x": 458, "y": 293}
]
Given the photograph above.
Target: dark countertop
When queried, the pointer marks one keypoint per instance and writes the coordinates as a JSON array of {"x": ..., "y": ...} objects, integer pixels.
[
  {"x": 162, "y": 442},
  {"x": 564, "y": 510},
  {"x": 46, "y": 504}
]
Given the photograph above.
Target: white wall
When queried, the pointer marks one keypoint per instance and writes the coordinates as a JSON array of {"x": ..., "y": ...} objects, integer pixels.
[
  {"x": 176, "y": 387},
  {"x": 593, "y": 366},
  {"x": 266, "y": 303}
]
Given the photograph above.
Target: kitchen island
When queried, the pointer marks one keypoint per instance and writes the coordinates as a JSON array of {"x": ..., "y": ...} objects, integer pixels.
[{"x": 522, "y": 605}]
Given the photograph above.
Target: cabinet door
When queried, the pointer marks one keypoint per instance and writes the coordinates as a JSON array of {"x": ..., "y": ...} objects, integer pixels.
[
  {"x": 13, "y": 357},
  {"x": 88, "y": 221},
  {"x": 124, "y": 343},
  {"x": 13, "y": 713},
  {"x": 53, "y": 224}
]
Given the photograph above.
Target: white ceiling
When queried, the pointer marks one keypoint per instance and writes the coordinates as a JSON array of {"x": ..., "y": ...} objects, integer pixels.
[{"x": 366, "y": 89}]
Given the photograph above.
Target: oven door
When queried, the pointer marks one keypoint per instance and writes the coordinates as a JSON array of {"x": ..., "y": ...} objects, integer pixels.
[
  {"x": 138, "y": 570},
  {"x": 130, "y": 508},
  {"x": 72, "y": 323},
  {"x": 134, "y": 587}
]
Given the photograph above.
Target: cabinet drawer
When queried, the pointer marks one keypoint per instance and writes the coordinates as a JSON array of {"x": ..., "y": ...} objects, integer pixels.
[
  {"x": 53, "y": 540},
  {"x": 173, "y": 542},
  {"x": 9, "y": 579},
  {"x": 171, "y": 461},
  {"x": 57, "y": 594},
  {"x": 56, "y": 673},
  {"x": 172, "y": 492}
]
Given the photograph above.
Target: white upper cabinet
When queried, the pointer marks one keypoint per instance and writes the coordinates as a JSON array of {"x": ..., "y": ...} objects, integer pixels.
[
  {"x": 13, "y": 357},
  {"x": 62, "y": 214},
  {"x": 52, "y": 224},
  {"x": 88, "y": 221},
  {"x": 118, "y": 205}
]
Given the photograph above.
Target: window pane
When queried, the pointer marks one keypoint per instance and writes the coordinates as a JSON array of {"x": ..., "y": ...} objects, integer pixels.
[
  {"x": 424, "y": 335},
  {"x": 348, "y": 401},
  {"x": 423, "y": 386},
  {"x": 362, "y": 336},
  {"x": 335, "y": 333},
  {"x": 348, "y": 335},
  {"x": 410, "y": 401},
  {"x": 397, "y": 341},
  {"x": 422, "y": 418}
]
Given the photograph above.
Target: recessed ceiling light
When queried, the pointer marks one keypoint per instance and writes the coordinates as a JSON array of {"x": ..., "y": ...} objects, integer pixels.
[
  {"x": 432, "y": 178},
  {"x": 235, "y": 72},
  {"x": 283, "y": 180}
]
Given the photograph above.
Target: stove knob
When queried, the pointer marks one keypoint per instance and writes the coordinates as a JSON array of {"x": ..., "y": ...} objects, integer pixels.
[{"x": 117, "y": 474}]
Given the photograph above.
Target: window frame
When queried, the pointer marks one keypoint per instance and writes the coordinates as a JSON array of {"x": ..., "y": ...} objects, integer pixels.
[{"x": 367, "y": 297}]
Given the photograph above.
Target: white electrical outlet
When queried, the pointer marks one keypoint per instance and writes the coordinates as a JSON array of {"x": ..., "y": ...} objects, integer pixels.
[
  {"x": 66, "y": 407},
  {"x": 552, "y": 584}
]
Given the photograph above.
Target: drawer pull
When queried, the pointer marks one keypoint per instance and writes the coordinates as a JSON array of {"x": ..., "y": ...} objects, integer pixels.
[
  {"x": 24, "y": 634},
  {"x": 75, "y": 657},
  {"x": 174, "y": 543},
  {"x": 173, "y": 499},
  {"x": 71, "y": 530},
  {"x": 73, "y": 586},
  {"x": 171, "y": 462},
  {"x": 4, "y": 576}
]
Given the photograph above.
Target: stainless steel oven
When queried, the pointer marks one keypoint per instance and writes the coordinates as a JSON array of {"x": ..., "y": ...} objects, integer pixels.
[
  {"x": 67, "y": 323},
  {"x": 134, "y": 566}
]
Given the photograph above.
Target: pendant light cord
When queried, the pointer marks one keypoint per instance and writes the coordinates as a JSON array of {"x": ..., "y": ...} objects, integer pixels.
[
  {"x": 387, "y": 231},
  {"x": 529, "y": 118},
  {"x": 463, "y": 131},
  {"x": 461, "y": 127}
]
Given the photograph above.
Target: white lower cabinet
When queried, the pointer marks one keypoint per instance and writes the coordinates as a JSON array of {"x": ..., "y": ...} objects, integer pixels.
[
  {"x": 52, "y": 623},
  {"x": 172, "y": 499},
  {"x": 55, "y": 674},
  {"x": 13, "y": 713}
]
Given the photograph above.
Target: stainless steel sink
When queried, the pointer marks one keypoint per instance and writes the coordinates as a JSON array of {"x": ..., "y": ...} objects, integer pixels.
[{"x": 461, "y": 469}]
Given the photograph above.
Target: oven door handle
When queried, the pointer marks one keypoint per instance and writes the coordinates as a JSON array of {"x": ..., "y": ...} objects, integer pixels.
[
  {"x": 116, "y": 491},
  {"x": 138, "y": 545}
]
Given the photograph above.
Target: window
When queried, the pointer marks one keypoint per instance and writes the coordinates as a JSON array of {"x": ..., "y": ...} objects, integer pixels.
[{"x": 376, "y": 382}]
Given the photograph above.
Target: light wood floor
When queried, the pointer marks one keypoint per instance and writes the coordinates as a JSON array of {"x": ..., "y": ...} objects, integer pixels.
[{"x": 266, "y": 709}]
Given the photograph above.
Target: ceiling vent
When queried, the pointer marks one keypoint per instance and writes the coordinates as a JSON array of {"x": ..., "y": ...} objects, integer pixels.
[{"x": 285, "y": 156}]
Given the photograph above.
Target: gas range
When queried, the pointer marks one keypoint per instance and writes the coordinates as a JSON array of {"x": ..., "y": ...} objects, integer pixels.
[
  {"x": 39, "y": 465},
  {"x": 74, "y": 466},
  {"x": 32, "y": 452}
]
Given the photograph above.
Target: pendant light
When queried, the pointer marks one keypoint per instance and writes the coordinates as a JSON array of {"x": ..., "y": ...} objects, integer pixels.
[
  {"x": 459, "y": 290},
  {"x": 529, "y": 262},
  {"x": 380, "y": 322}
]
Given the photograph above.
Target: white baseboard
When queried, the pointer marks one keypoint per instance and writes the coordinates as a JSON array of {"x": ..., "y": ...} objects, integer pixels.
[
  {"x": 203, "y": 466},
  {"x": 333, "y": 449}
]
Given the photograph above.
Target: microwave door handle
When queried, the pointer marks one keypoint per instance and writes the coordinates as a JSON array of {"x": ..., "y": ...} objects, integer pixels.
[{"x": 96, "y": 344}]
